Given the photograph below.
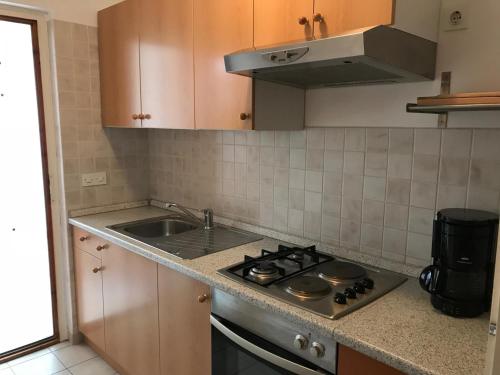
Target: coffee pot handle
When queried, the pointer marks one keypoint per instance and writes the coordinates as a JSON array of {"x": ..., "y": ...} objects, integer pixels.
[{"x": 429, "y": 279}]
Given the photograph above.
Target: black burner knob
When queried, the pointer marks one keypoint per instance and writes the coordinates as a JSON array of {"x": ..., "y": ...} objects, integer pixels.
[
  {"x": 359, "y": 288},
  {"x": 368, "y": 283},
  {"x": 350, "y": 293},
  {"x": 340, "y": 298}
]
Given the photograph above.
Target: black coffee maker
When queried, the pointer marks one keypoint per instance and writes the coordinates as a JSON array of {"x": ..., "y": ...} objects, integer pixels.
[{"x": 460, "y": 279}]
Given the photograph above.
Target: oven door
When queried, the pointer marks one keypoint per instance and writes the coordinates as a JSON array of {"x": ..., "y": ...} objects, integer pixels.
[{"x": 235, "y": 351}]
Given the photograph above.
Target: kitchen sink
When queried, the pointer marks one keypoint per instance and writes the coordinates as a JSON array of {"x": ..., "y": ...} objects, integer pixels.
[
  {"x": 180, "y": 236},
  {"x": 159, "y": 228}
]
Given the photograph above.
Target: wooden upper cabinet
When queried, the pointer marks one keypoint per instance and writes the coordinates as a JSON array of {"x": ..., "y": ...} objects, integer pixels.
[
  {"x": 130, "y": 288},
  {"x": 166, "y": 55},
  {"x": 222, "y": 100},
  {"x": 88, "y": 287},
  {"x": 282, "y": 21},
  {"x": 185, "y": 331},
  {"x": 337, "y": 16},
  {"x": 119, "y": 64}
]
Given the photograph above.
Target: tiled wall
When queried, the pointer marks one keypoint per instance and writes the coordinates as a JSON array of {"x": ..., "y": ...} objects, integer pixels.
[
  {"x": 87, "y": 147},
  {"x": 372, "y": 190}
]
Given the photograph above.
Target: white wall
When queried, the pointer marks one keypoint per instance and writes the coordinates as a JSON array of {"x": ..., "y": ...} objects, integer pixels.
[
  {"x": 78, "y": 11},
  {"x": 473, "y": 57}
]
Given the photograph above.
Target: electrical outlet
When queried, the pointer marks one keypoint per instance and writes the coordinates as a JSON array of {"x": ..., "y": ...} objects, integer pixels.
[
  {"x": 94, "y": 179},
  {"x": 454, "y": 15}
]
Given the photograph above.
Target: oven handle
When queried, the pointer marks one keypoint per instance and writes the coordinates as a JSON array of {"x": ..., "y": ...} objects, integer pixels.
[{"x": 261, "y": 353}]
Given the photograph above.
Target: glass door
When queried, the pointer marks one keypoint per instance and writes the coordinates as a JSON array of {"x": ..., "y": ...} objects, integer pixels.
[
  {"x": 27, "y": 290},
  {"x": 236, "y": 351}
]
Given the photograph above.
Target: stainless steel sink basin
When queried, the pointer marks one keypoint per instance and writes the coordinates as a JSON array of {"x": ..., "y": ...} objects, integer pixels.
[
  {"x": 179, "y": 236},
  {"x": 160, "y": 228}
]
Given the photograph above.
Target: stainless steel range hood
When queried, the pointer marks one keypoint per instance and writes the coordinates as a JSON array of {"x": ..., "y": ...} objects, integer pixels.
[{"x": 380, "y": 54}]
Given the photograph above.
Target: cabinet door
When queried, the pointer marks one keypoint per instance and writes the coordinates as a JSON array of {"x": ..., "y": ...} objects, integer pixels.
[
  {"x": 222, "y": 100},
  {"x": 281, "y": 21},
  {"x": 337, "y": 16},
  {"x": 88, "y": 282},
  {"x": 119, "y": 65},
  {"x": 184, "y": 324},
  {"x": 131, "y": 311},
  {"x": 351, "y": 362},
  {"x": 167, "y": 76}
]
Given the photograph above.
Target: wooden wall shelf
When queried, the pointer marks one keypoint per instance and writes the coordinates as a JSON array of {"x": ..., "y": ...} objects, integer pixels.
[{"x": 442, "y": 109}]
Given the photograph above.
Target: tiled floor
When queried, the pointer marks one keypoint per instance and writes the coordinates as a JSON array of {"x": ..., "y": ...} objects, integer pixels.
[{"x": 61, "y": 359}]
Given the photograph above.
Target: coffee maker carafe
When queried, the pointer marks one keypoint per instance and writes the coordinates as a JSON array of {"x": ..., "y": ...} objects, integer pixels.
[{"x": 460, "y": 279}]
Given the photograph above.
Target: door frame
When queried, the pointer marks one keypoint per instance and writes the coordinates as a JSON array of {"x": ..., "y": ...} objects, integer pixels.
[{"x": 44, "y": 56}]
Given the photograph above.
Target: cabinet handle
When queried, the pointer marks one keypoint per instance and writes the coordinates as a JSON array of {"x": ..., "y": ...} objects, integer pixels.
[
  {"x": 101, "y": 247},
  {"x": 244, "y": 116},
  {"x": 318, "y": 18},
  {"x": 135, "y": 117},
  {"x": 84, "y": 238},
  {"x": 97, "y": 269},
  {"x": 141, "y": 116},
  {"x": 303, "y": 21},
  {"x": 202, "y": 298},
  {"x": 147, "y": 116}
]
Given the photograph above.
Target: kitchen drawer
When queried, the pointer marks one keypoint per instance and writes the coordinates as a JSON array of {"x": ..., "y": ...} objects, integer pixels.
[{"x": 88, "y": 242}]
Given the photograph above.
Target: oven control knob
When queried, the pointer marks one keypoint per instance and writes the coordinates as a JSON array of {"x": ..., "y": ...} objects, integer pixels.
[
  {"x": 359, "y": 288},
  {"x": 350, "y": 293},
  {"x": 317, "y": 350},
  {"x": 340, "y": 298},
  {"x": 368, "y": 283},
  {"x": 300, "y": 342}
]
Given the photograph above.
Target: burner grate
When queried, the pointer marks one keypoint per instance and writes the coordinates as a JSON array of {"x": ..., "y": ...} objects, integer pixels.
[{"x": 295, "y": 255}]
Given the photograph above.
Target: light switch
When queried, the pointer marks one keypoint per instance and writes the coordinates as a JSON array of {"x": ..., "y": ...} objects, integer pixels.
[{"x": 94, "y": 179}]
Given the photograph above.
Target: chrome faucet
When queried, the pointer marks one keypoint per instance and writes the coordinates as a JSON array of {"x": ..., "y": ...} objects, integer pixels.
[{"x": 208, "y": 215}]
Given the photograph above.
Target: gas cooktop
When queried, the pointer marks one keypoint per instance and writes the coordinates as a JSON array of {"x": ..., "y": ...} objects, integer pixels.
[{"x": 313, "y": 280}]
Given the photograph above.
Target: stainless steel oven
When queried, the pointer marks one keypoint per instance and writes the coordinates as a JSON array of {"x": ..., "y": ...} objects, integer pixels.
[{"x": 248, "y": 340}]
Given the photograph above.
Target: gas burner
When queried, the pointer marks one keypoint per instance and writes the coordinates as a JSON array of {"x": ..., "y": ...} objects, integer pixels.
[
  {"x": 297, "y": 255},
  {"x": 272, "y": 267},
  {"x": 264, "y": 270},
  {"x": 338, "y": 272},
  {"x": 308, "y": 287}
]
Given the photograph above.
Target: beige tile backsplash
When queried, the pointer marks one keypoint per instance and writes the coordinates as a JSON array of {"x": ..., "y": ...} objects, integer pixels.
[
  {"x": 87, "y": 147},
  {"x": 374, "y": 191}
]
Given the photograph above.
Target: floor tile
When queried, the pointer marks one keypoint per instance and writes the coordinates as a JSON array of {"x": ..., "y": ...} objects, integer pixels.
[
  {"x": 4, "y": 366},
  {"x": 75, "y": 354},
  {"x": 95, "y": 366},
  {"x": 59, "y": 346},
  {"x": 6, "y": 371},
  {"x": 47, "y": 364},
  {"x": 64, "y": 372},
  {"x": 28, "y": 357}
]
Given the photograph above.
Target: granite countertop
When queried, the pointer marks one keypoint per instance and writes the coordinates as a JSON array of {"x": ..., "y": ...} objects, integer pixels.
[{"x": 400, "y": 329}]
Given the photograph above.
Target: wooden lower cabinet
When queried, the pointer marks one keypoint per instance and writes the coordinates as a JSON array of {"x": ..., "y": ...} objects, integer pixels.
[
  {"x": 131, "y": 311},
  {"x": 184, "y": 306},
  {"x": 88, "y": 282},
  {"x": 143, "y": 318},
  {"x": 351, "y": 362}
]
